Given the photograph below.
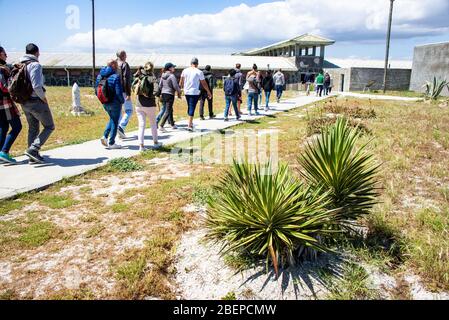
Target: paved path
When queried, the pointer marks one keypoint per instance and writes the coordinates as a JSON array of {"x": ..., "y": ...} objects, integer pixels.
[
  {"x": 74, "y": 160},
  {"x": 377, "y": 97}
]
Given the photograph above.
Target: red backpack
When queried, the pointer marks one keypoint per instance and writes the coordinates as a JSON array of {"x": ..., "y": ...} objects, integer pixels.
[
  {"x": 104, "y": 93},
  {"x": 19, "y": 84}
]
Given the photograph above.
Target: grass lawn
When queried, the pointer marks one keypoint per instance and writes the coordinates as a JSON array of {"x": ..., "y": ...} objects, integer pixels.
[
  {"x": 112, "y": 233},
  {"x": 75, "y": 130},
  {"x": 399, "y": 93}
]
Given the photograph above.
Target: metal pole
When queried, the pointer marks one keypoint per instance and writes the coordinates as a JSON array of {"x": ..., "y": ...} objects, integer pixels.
[
  {"x": 390, "y": 20},
  {"x": 93, "y": 43}
]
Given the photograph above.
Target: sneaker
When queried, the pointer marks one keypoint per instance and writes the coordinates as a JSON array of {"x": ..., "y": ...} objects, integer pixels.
[
  {"x": 104, "y": 142},
  {"x": 267, "y": 109},
  {"x": 226, "y": 119},
  {"x": 121, "y": 133},
  {"x": 162, "y": 130},
  {"x": 202, "y": 118},
  {"x": 157, "y": 145},
  {"x": 7, "y": 158},
  {"x": 34, "y": 155},
  {"x": 239, "y": 118},
  {"x": 142, "y": 149},
  {"x": 174, "y": 127},
  {"x": 115, "y": 147},
  {"x": 212, "y": 117},
  {"x": 190, "y": 129},
  {"x": 257, "y": 113}
]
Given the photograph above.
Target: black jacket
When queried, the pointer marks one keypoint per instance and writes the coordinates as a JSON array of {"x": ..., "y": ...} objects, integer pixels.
[{"x": 268, "y": 83}]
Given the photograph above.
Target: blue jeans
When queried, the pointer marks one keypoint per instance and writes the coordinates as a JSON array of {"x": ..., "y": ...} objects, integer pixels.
[
  {"x": 267, "y": 98},
  {"x": 7, "y": 140},
  {"x": 192, "y": 101},
  {"x": 161, "y": 114},
  {"x": 124, "y": 120},
  {"x": 279, "y": 91},
  {"x": 233, "y": 100},
  {"x": 253, "y": 97},
  {"x": 114, "y": 111}
]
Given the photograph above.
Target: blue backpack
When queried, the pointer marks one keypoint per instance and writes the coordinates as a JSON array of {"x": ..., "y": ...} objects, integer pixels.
[{"x": 229, "y": 87}]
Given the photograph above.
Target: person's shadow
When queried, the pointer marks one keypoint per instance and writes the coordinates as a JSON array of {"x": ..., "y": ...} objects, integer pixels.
[{"x": 65, "y": 163}]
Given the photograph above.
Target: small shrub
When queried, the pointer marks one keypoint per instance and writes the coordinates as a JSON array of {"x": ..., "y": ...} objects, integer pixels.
[
  {"x": 322, "y": 124},
  {"x": 267, "y": 215},
  {"x": 125, "y": 165},
  {"x": 435, "y": 88},
  {"x": 345, "y": 174}
]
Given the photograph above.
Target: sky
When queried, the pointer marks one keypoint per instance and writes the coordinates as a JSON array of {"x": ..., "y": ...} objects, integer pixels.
[{"x": 205, "y": 26}]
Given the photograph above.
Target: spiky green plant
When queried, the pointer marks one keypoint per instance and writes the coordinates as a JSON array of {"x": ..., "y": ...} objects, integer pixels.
[
  {"x": 266, "y": 215},
  {"x": 346, "y": 173},
  {"x": 434, "y": 88}
]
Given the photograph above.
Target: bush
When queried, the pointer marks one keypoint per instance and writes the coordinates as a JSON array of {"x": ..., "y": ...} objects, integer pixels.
[
  {"x": 267, "y": 215},
  {"x": 434, "y": 89},
  {"x": 345, "y": 174},
  {"x": 124, "y": 165},
  {"x": 322, "y": 124}
]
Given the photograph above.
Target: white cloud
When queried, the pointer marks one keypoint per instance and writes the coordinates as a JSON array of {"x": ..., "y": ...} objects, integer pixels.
[{"x": 245, "y": 27}]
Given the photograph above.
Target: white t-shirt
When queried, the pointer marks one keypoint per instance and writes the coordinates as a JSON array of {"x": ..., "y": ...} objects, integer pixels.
[{"x": 192, "y": 77}]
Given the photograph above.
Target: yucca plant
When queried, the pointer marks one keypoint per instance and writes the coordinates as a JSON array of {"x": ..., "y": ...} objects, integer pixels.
[
  {"x": 344, "y": 172},
  {"x": 267, "y": 215},
  {"x": 434, "y": 88}
]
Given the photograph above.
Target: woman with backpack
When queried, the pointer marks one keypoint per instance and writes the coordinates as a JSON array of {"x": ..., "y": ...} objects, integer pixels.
[
  {"x": 268, "y": 86},
  {"x": 109, "y": 91},
  {"x": 9, "y": 113},
  {"x": 253, "y": 84},
  {"x": 145, "y": 87}
]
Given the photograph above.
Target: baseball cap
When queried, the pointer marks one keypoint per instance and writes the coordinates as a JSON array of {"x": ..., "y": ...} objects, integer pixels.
[
  {"x": 194, "y": 61},
  {"x": 169, "y": 65}
]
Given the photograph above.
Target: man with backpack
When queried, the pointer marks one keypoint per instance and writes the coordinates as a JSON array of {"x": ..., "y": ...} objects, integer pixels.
[
  {"x": 210, "y": 81},
  {"x": 9, "y": 114},
  {"x": 232, "y": 91},
  {"x": 279, "y": 82},
  {"x": 240, "y": 80},
  {"x": 268, "y": 86},
  {"x": 110, "y": 93},
  {"x": 27, "y": 88},
  {"x": 124, "y": 71}
]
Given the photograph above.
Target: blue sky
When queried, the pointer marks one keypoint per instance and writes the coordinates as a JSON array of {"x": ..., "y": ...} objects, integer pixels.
[{"x": 202, "y": 26}]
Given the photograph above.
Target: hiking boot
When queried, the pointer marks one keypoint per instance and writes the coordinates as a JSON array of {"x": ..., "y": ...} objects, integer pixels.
[
  {"x": 115, "y": 147},
  {"x": 34, "y": 155},
  {"x": 104, "y": 142},
  {"x": 121, "y": 133},
  {"x": 5, "y": 157}
]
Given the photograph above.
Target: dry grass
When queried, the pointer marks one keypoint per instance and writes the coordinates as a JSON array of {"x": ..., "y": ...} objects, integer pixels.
[{"x": 117, "y": 231}]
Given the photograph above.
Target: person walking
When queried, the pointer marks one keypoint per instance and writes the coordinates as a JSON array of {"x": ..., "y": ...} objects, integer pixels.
[
  {"x": 109, "y": 81},
  {"x": 279, "y": 82},
  {"x": 231, "y": 88},
  {"x": 268, "y": 86},
  {"x": 36, "y": 108},
  {"x": 260, "y": 80},
  {"x": 191, "y": 79},
  {"x": 252, "y": 79},
  {"x": 159, "y": 102},
  {"x": 169, "y": 87},
  {"x": 327, "y": 84},
  {"x": 124, "y": 72},
  {"x": 9, "y": 113},
  {"x": 145, "y": 87},
  {"x": 210, "y": 80},
  {"x": 308, "y": 80},
  {"x": 240, "y": 80},
  {"x": 319, "y": 84}
]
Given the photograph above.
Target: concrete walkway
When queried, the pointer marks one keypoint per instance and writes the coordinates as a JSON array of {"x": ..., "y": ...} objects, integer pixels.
[
  {"x": 377, "y": 97},
  {"x": 74, "y": 160}
]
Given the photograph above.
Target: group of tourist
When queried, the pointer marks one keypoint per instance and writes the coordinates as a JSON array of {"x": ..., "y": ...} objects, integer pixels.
[
  {"x": 198, "y": 87},
  {"x": 24, "y": 84}
]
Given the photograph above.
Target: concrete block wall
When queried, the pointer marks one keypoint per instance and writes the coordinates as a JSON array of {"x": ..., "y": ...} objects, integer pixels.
[
  {"x": 397, "y": 79},
  {"x": 429, "y": 61},
  {"x": 341, "y": 78}
]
